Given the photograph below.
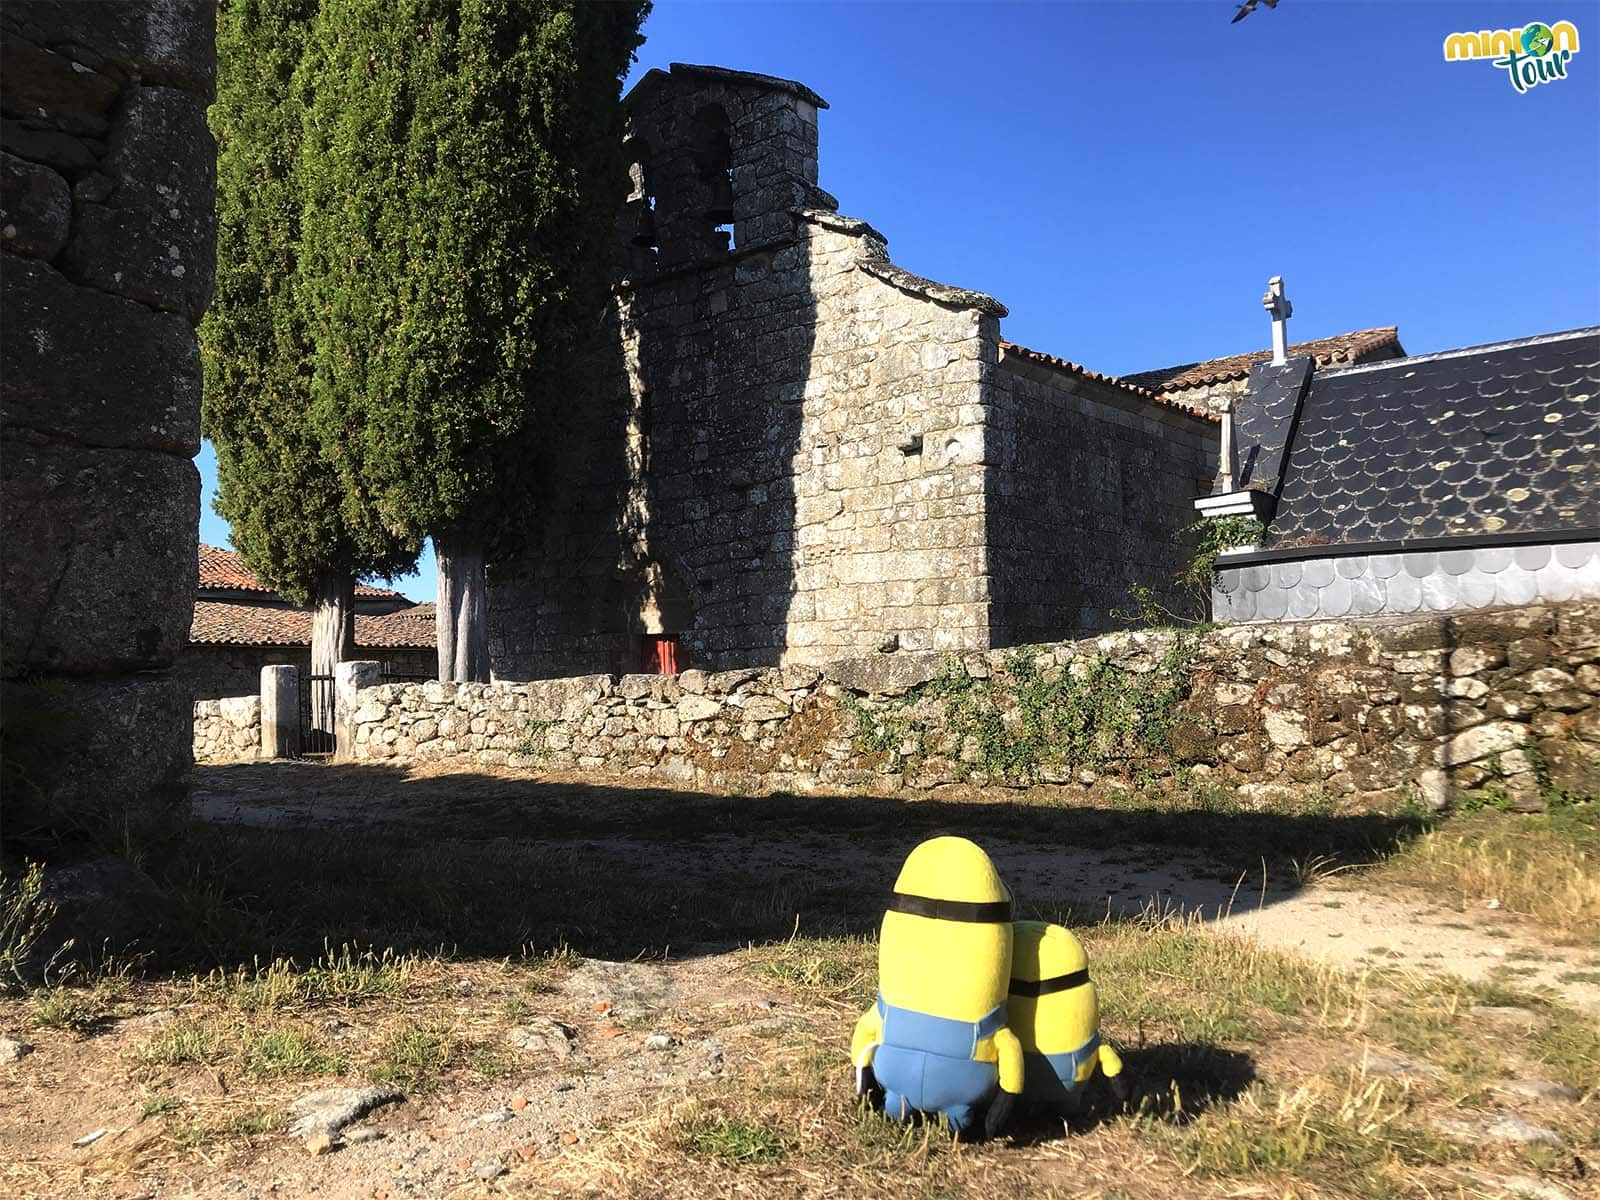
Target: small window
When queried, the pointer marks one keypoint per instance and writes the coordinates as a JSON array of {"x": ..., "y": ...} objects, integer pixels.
[{"x": 660, "y": 654}]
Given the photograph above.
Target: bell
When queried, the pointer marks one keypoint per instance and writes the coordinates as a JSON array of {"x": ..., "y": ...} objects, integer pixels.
[{"x": 720, "y": 210}]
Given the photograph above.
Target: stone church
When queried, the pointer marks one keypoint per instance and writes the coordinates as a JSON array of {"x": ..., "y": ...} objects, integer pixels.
[{"x": 793, "y": 450}]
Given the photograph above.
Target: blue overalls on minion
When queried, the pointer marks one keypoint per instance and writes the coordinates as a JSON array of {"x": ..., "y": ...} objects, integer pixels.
[
  {"x": 1051, "y": 1079},
  {"x": 925, "y": 1064}
]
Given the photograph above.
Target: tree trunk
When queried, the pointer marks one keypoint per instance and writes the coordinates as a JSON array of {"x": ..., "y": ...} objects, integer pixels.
[
  {"x": 461, "y": 619},
  {"x": 333, "y": 639}
]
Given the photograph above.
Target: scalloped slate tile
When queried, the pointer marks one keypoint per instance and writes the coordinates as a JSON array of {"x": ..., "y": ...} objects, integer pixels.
[{"x": 1475, "y": 442}]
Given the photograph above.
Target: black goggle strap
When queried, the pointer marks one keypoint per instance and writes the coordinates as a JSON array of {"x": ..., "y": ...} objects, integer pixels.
[
  {"x": 1043, "y": 987},
  {"x": 991, "y": 912}
]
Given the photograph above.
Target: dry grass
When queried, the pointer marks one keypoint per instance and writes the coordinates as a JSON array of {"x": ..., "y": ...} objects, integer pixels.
[
  {"x": 1250, "y": 1072},
  {"x": 1542, "y": 866}
]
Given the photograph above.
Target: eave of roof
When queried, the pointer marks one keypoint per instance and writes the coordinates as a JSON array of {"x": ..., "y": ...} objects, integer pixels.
[
  {"x": 220, "y": 623},
  {"x": 225, "y": 569},
  {"x": 1082, "y": 372},
  {"x": 656, "y": 76},
  {"x": 1344, "y": 348}
]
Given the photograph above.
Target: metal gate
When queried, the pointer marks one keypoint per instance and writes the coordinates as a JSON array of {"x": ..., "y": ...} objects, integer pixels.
[{"x": 316, "y": 714}]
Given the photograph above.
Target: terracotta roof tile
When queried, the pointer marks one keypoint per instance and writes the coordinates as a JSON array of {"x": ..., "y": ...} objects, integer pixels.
[
  {"x": 221, "y": 568},
  {"x": 1072, "y": 368},
  {"x": 1356, "y": 347},
  {"x": 226, "y": 623}
]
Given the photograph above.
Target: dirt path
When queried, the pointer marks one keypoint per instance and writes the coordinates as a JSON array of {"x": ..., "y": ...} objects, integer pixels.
[{"x": 1332, "y": 918}]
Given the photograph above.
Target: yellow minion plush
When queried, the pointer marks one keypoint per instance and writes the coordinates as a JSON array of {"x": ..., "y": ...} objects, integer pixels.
[
  {"x": 1055, "y": 1014},
  {"x": 936, "y": 1039}
]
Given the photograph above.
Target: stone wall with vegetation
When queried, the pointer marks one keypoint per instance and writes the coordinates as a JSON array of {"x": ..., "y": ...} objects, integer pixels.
[
  {"x": 1499, "y": 706},
  {"x": 227, "y": 730},
  {"x": 107, "y": 231}
]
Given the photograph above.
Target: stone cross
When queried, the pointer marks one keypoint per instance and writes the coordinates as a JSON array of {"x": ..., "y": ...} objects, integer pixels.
[{"x": 1276, "y": 303}]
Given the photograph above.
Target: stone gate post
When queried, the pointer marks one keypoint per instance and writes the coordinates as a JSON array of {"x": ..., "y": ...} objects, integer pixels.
[
  {"x": 348, "y": 679},
  {"x": 280, "y": 712}
]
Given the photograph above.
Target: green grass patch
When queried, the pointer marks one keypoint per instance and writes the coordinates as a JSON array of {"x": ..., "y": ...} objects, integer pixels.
[
  {"x": 180, "y": 1043},
  {"x": 730, "y": 1140},
  {"x": 416, "y": 1057},
  {"x": 72, "y": 1009},
  {"x": 287, "y": 1050}
]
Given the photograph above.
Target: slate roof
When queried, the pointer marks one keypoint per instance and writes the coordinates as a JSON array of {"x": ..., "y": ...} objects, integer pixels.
[
  {"x": 220, "y": 622},
  {"x": 225, "y": 570},
  {"x": 1072, "y": 368},
  {"x": 1360, "y": 346},
  {"x": 1494, "y": 442}
]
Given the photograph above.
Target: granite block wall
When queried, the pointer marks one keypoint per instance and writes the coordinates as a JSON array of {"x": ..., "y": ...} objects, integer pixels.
[
  {"x": 227, "y": 730},
  {"x": 1087, "y": 490},
  {"x": 107, "y": 231},
  {"x": 1370, "y": 714}
]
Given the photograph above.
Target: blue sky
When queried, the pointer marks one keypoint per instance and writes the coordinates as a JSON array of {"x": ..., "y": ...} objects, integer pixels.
[{"x": 1126, "y": 176}]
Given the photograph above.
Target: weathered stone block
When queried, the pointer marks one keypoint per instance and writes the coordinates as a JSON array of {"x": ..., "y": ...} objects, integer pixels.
[
  {"x": 50, "y": 88},
  {"x": 35, "y": 211},
  {"x": 99, "y": 565},
  {"x": 1480, "y": 742},
  {"x": 153, "y": 240},
  {"x": 171, "y": 42},
  {"x": 94, "y": 368},
  {"x": 114, "y": 753}
]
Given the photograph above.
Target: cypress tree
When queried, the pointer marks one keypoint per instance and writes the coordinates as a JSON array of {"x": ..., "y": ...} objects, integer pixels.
[
  {"x": 291, "y": 520},
  {"x": 462, "y": 166}
]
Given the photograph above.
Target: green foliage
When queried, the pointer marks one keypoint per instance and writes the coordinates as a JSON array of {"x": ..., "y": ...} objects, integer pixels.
[
  {"x": 1032, "y": 714},
  {"x": 25, "y": 914},
  {"x": 461, "y": 168},
  {"x": 290, "y": 514},
  {"x": 532, "y": 743},
  {"x": 1214, "y": 535}
]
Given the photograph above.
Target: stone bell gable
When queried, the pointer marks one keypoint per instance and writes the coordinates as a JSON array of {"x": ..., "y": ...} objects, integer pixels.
[
  {"x": 720, "y": 158},
  {"x": 788, "y": 449}
]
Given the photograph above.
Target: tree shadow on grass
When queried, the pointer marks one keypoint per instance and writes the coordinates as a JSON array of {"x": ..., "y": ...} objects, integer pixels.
[{"x": 290, "y": 858}]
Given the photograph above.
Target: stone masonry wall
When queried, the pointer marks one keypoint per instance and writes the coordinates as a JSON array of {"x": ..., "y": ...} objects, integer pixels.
[
  {"x": 794, "y": 451},
  {"x": 1088, "y": 488},
  {"x": 1363, "y": 714},
  {"x": 227, "y": 730},
  {"x": 107, "y": 230},
  {"x": 787, "y": 466}
]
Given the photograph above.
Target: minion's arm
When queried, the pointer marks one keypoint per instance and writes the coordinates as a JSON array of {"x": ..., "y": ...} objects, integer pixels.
[
  {"x": 1008, "y": 1052},
  {"x": 868, "y": 1033},
  {"x": 1110, "y": 1061}
]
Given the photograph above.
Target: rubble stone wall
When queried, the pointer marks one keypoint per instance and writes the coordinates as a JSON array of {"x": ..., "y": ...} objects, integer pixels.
[
  {"x": 107, "y": 182},
  {"x": 227, "y": 730},
  {"x": 1366, "y": 714}
]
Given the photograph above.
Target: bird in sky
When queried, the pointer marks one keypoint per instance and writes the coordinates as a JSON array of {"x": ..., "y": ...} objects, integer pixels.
[{"x": 1249, "y": 6}]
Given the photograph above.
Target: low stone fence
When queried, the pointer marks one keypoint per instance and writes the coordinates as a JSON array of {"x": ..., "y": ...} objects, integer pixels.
[
  {"x": 1362, "y": 713},
  {"x": 227, "y": 730}
]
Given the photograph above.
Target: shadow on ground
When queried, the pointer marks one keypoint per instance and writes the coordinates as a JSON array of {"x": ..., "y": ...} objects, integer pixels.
[{"x": 285, "y": 858}]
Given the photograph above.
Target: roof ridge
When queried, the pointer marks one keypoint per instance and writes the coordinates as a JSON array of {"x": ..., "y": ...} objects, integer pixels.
[
  {"x": 1538, "y": 339},
  {"x": 1355, "y": 341},
  {"x": 1143, "y": 393}
]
